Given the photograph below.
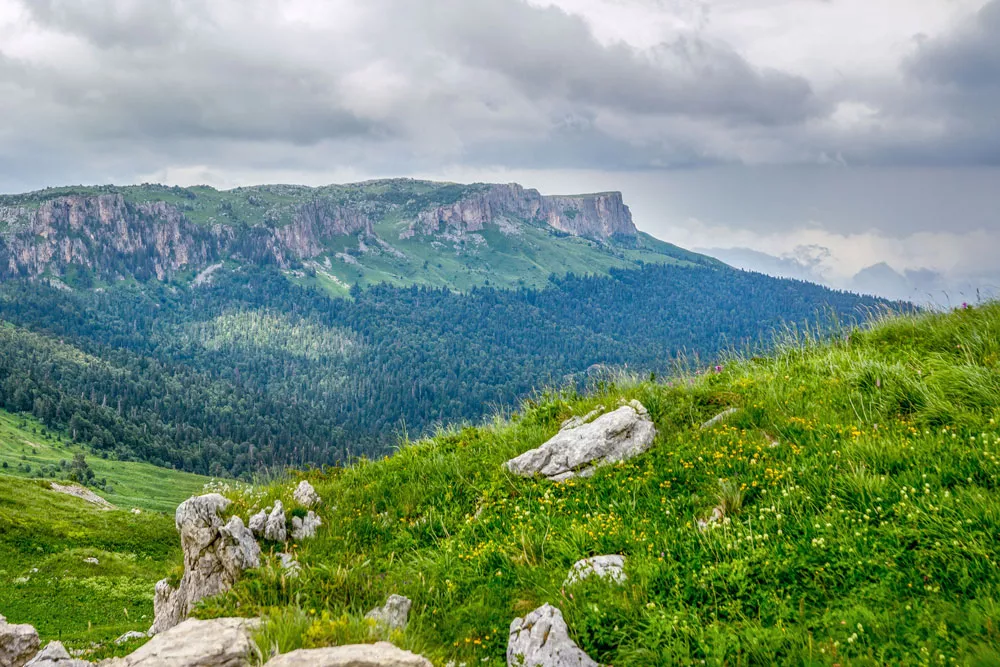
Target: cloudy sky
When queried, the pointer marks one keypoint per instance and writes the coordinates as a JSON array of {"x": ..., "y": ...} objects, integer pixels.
[{"x": 839, "y": 133}]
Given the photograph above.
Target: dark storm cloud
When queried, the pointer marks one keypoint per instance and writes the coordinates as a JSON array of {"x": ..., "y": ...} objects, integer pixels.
[{"x": 550, "y": 54}]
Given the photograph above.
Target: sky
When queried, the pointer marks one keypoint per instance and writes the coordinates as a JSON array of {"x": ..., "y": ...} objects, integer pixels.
[{"x": 832, "y": 134}]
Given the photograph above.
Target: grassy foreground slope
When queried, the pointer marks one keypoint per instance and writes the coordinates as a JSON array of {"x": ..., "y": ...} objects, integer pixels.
[{"x": 862, "y": 481}]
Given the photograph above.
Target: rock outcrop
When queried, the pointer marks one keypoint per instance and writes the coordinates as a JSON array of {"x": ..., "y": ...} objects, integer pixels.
[
  {"x": 381, "y": 654},
  {"x": 610, "y": 568},
  {"x": 18, "y": 643},
  {"x": 82, "y": 493},
  {"x": 221, "y": 642},
  {"x": 580, "y": 447},
  {"x": 304, "y": 528},
  {"x": 541, "y": 639},
  {"x": 215, "y": 555},
  {"x": 306, "y": 495},
  {"x": 275, "y": 528},
  {"x": 258, "y": 523},
  {"x": 394, "y": 613},
  {"x": 56, "y": 655},
  {"x": 597, "y": 216}
]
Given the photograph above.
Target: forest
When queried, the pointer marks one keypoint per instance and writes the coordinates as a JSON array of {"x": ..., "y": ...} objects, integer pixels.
[{"x": 252, "y": 371}]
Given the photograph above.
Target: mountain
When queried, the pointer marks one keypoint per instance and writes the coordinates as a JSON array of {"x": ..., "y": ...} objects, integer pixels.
[{"x": 399, "y": 231}]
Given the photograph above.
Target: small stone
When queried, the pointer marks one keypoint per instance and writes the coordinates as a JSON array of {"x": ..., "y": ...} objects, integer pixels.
[
  {"x": 611, "y": 568},
  {"x": 130, "y": 635},
  {"x": 92, "y": 561},
  {"x": 306, "y": 495},
  {"x": 289, "y": 564},
  {"x": 394, "y": 614}
]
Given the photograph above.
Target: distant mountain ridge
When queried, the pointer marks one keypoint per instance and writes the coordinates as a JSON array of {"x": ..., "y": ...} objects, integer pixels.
[{"x": 376, "y": 231}]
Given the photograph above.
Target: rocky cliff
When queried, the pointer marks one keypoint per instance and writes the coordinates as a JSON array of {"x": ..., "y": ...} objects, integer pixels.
[
  {"x": 117, "y": 238},
  {"x": 597, "y": 216}
]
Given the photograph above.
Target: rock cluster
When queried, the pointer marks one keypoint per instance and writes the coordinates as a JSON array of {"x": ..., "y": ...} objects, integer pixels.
[
  {"x": 305, "y": 527},
  {"x": 582, "y": 446},
  {"x": 215, "y": 554},
  {"x": 541, "y": 639}
]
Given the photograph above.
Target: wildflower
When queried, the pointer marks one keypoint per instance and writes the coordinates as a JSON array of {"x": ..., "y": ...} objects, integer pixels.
[{"x": 718, "y": 369}]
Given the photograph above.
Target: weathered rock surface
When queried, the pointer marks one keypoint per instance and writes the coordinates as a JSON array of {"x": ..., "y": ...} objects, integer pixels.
[
  {"x": 56, "y": 655},
  {"x": 541, "y": 639},
  {"x": 257, "y": 523},
  {"x": 215, "y": 554},
  {"x": 610, "y": 568},
  {"x": 580, "y": 447},
  {"x": 381, "y": 654},
  {"x": 306, "y": 495},
  {"x": 18, "y": 643},
  {"x": 221, "y": 642},
  {"x": 394, "y": 613},
  {"x": 275, "y": 529},
  {"x": 598, "y": 216},
  {"x": 81, "y": 493},
  {"x": 304, "y": 528},
  {"x": 289, "y": 564},
  {"x": 130, "y": 635}
]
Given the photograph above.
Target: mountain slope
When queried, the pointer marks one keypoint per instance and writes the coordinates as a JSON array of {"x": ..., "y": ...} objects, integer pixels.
[
  {"x": 252, "y": 371},
  {"x": 398, "y": 231},
  {"x": 862, "y": 485}
]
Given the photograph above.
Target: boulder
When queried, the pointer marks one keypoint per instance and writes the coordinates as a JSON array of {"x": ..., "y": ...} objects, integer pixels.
[
  {"x": 394, "y": 613},
  {"x": 581, "y": 446},
  {"x": 610, "y": 568},
  {"x": 541, "y": 639},
  {"x": 221, "y": 642},
  {"x": 275, "y": 529},
  {"x": 56, "y": 655},
  {"x": 306, "y": 495},
  {"x": 215, "y": 555},
  {"x": 257, "y": 523},
  {"x": 18, "y": 643},
  {"x": 381, "y": 654},
  {"x": 305, "y": 528}
]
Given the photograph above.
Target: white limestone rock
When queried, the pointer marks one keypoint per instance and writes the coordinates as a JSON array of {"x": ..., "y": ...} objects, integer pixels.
[
  {"x": 722, "y": 416},
  {"x": 56, "y": 655},
  {"x": 257, "y": 523},
  {"x": 221, "y": 642},
  {"x": 394, "y": 614},
  {"x": 380, "y": 654},
  {"x": 541, "y": 639},
  {"x": 582, "y": 446},
  {"x": 305, "y": 528},
  {"x": 306, "y": 495},
  {"x": 275, "y": 529},
  {"x": 18, "y": 643},
  {"x": 289, "y": 564},
  {"x": 215, "y": 555},
  {"x": 610, "y": 568}
]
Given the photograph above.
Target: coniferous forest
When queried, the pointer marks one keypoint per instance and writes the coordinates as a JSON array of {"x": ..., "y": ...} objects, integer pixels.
[{"x": 253, "y": 371}]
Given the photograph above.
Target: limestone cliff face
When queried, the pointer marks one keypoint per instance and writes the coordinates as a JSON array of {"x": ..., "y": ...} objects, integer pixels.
[
  {"x": 597, "y": 216},
  {"x": 117, "y": 238}
]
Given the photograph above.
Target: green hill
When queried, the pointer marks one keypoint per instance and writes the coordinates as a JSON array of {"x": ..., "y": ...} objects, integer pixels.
[{"x": 860, "y": 476}]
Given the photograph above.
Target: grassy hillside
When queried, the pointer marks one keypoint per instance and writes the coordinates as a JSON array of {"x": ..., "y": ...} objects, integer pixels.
[
  {"x": 861, "y": 478},
  {"x": 44, "y": 581},
  {"x": 29, "y": 451}
]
